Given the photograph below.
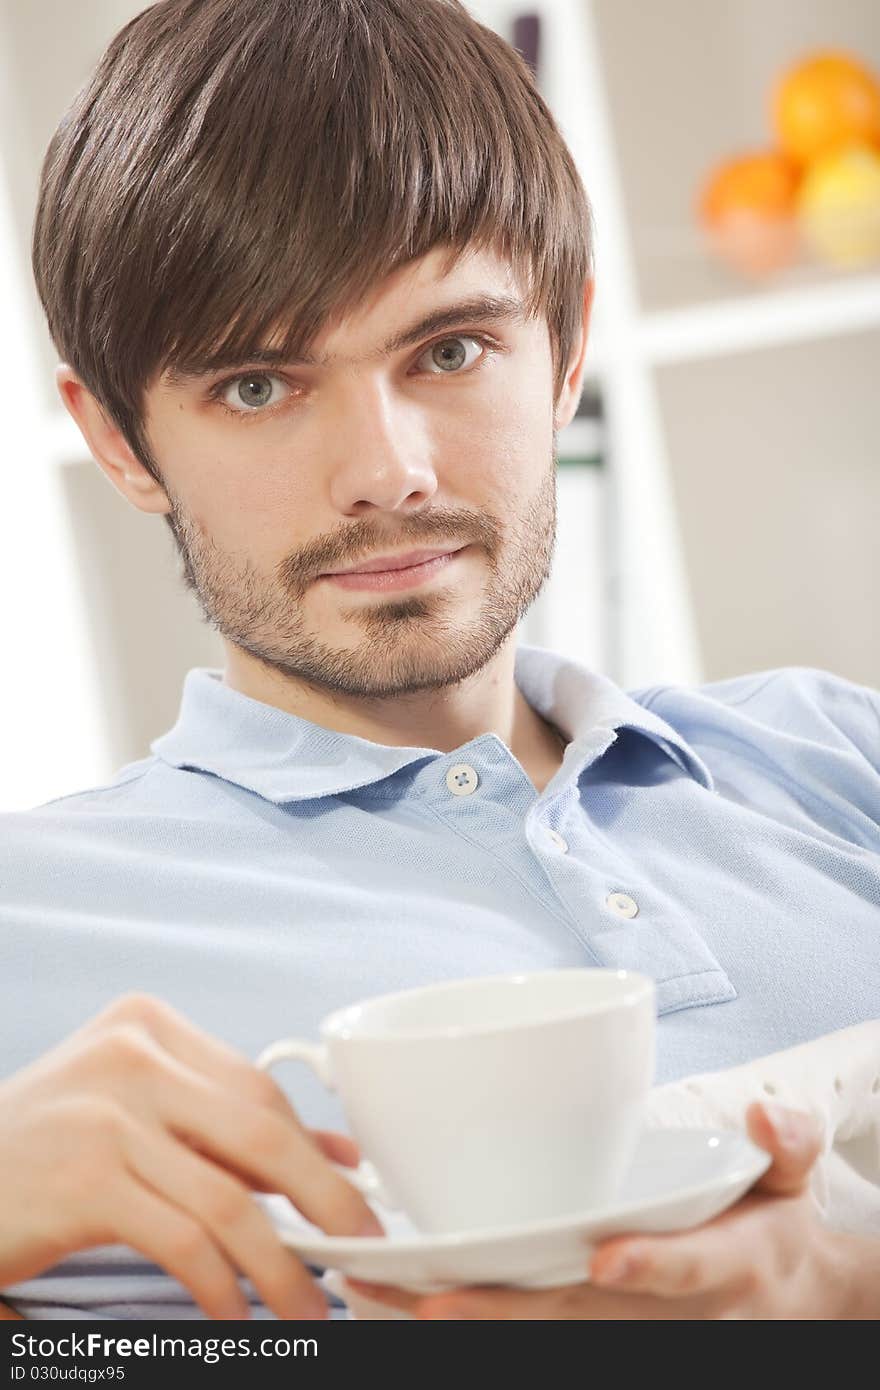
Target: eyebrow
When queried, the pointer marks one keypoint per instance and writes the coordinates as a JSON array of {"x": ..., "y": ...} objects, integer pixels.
[{"x": 481, "y": 309}]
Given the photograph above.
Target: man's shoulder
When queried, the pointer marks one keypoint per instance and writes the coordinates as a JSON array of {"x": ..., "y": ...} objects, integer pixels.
[
  {"x": 126, "y": 786},
  {"x": 800, "y": 702},
  {"x": 97, "y": 842},
  {"x": 122, "y": 807},
  {"x": 46, "y": 847}
]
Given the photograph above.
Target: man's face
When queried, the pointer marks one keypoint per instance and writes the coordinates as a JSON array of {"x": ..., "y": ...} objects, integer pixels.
[{"x": 279, "y": 473}]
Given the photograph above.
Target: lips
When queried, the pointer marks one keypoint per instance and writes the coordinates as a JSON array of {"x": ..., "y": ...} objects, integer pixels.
[
  {"x": 398, "y": 562},
  {"x": 391, "y": 581}
]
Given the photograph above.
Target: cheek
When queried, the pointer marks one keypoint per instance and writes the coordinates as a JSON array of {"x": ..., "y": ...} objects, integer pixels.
[
  {"x": 256, "y": 501},
  {"x": 521, "y": 415},
  {"x": 268, "y": 488},
  {"x": 514, "y": 460},
  {"x": 506, "y": 443},
  {"x": 216, "y": 469}
]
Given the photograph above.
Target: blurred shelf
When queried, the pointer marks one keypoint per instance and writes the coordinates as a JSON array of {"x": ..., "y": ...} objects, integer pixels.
[
  {"x": 754, "y": 321},
  {"x": 684, "y": 270},
  {"x": 689, "y": 85},
  {"x": 749, "y": 322}
]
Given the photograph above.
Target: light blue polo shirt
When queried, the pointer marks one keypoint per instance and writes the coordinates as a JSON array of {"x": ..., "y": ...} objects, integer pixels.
[{"x": 258, "y": 871}]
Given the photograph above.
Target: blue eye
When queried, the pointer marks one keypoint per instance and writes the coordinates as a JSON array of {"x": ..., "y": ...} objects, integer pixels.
[
  {"x": 251, "y": 394},
  {"x": 448, "y": 356},
  {"x": 248, "y": 393}
]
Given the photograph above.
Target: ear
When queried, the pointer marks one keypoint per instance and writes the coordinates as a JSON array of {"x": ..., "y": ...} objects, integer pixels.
[
  {"x": 108, "y": 446},
  {"x": 570, "y": 394}
]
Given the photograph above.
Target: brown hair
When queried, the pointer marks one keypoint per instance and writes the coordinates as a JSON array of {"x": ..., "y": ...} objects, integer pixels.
[{"x": 236, "y": 165}]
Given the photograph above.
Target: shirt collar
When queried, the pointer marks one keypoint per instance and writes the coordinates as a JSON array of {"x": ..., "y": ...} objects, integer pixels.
[{"x": 283, "y": 757}]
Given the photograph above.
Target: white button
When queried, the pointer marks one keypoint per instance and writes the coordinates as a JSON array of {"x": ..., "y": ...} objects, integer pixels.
[
  {"x": 622, "y": 904},
  {"x": 462, "y": 780},
  {"x": 558, "y": 840}
]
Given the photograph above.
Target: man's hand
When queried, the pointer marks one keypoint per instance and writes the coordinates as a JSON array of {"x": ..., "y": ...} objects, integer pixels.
[
  {"x": 141, "y": 1129},
  {"x": 769, "y": 1256}
]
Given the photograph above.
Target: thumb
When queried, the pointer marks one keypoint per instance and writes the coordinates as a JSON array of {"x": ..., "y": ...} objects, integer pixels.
[{"x": 794, "y": 1139}]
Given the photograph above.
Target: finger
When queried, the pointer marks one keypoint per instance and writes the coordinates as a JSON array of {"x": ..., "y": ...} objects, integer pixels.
[
  {"x": 679, "y": 1269},
  {"x": 263, "y": 1143},
  {"x": 793, "y": 1137},
  {"x": 387, "y": 1293},
  {"x": 192, "y": 1047},
  {"x": 722, "y": 1254},
  {"x": 213, "y": 1059},
  {"x": 222, "y": 1207},
  {"x": 695, "y": 1264},
  {"x": 273, "y": 1150},
  {"x": 139, "y": 1217},
  {"x": 474, "y": 1303},
  {"x": 337, "y": 1147},
  {"x": 573, "y": 1301}
]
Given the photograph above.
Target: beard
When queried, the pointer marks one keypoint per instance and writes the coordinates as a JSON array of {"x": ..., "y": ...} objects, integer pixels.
[{"x": 419, "y": 641}]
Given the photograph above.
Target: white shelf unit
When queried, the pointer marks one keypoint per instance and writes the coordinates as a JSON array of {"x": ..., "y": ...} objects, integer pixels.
[
  {"x": 95, "y": 676},
  {"x": 756, "y": 322},
  {"x": 649, "y": 97}
]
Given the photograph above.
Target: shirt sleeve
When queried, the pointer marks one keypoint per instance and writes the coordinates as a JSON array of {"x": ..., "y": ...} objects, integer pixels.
[
  {"x": 836, "y": 1079},
  {"x": 812, "y": 703}
]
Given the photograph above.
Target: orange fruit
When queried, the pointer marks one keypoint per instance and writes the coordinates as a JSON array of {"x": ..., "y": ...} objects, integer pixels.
[
  {"x": 825, "y": 102},
  {"x": 747, "y": 207}
]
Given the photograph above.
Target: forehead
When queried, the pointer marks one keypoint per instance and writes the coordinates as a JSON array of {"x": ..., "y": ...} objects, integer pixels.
[
  {"x": 424, "y": 296},
  {"x": 425, "y": 283}
]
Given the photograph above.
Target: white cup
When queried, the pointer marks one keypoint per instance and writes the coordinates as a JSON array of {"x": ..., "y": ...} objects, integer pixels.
[{"x": 491, "y": 1101}]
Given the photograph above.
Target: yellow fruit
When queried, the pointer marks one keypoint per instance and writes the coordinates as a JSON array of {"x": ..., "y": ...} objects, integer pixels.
[
  {"x": 827, "y": 102},
  {"x": 839, "y": 207}
]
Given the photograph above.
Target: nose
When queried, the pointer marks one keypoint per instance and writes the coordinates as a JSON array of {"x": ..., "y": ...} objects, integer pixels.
[{"x": 381, "y": 449}]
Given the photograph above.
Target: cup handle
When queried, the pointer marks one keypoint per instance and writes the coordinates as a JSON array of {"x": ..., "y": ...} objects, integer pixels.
[{"x": 365, "y": 1177}]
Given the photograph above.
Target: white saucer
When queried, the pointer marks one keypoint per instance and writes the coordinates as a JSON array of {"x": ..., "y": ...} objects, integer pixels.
[{"x": 679, "y": 1178}]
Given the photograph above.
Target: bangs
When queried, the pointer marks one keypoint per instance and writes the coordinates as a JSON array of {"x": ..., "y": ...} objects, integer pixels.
[
  {"x": 275, "y": 242},
  {"x": 240, "y": 172}
]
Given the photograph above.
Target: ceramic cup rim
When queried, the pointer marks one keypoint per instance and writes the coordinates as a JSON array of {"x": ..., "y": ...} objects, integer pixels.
[{"x": 337, "y": 1026}]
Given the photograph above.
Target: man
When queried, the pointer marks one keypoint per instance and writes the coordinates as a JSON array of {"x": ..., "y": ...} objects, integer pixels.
[{"x": 320, "y": 279}]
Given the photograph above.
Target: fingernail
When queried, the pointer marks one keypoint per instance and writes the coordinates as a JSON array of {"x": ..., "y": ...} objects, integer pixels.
[
  {"x": 786, "y": 1125},
  {"x": 372, "y": 1226}
]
